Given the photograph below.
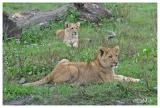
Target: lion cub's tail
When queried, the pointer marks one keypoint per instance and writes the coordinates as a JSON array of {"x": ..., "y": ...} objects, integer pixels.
[{"x": 44, "y": 80}]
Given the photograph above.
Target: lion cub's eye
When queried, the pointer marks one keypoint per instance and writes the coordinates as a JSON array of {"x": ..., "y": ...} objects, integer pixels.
[
  {"x": 116, "y": 55},
  {"x": 72, "y": 28},
  {"x": 110, "y": 56}
]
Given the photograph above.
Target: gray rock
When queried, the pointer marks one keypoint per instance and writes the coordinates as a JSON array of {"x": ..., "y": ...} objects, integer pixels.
[
  {"x": 30, "y": 73},
  {"x": 44, "y": 25},
  {"x": 118, "y": 102},
  {"x": 119, "y": 20},
  {"x": 22, "y": 80},
  {"x": 139, "y": 101},
  {"x": 111, "y": 34}
]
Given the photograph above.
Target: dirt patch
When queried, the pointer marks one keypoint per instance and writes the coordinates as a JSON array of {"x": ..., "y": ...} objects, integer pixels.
[
  {"x": 20, "y": 101},
  {"x": 79, "y": 98}
]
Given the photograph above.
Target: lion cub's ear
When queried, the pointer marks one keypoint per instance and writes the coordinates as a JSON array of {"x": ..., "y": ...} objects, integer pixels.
[
  {"x": 116, "y": 48},
  {"x": 66, "y": 25},
  {"x": 78, "y": 24},
  {"x": 101, "y": 51}
]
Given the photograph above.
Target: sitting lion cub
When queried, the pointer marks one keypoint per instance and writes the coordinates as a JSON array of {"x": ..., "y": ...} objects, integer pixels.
[
  {"x": 69, "y": 35},
  {"x": 99, "y": 70}
]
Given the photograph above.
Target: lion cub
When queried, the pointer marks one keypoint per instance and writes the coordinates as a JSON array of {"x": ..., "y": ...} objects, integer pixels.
[
  {"x": 99, "y": 70},
  {"x": 69, "y": 35}
]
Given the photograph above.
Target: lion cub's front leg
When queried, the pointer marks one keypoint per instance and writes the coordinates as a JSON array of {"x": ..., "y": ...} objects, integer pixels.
[
  {"x": 122, "y": 78},
  {"x": 75, "y": 44}
]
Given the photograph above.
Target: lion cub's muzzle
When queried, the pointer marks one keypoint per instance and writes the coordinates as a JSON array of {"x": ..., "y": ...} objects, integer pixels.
[
  {"x": 114, "y": 64},
  {"x": 74, "y": 33}
]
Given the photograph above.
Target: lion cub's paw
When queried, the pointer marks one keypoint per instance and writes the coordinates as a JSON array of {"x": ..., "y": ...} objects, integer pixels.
[
  {"x": 69, "y": 45},
  {"x": 137, "y": 80},
  {"x": 63, "y": 61}
]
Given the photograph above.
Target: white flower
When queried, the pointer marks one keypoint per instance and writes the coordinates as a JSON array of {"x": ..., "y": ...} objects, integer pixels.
[{"x": 144, "y": 50}]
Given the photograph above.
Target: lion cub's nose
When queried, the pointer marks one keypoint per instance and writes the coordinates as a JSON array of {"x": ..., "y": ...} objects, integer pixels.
[
  {"x": 74, "y": 33},
  {"x": 116, "y": 63}
]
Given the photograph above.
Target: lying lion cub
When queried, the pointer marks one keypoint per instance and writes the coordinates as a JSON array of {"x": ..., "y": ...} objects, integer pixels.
[
  {"x": 98, "y": 70},
  {"x": 69, "y": 35}
]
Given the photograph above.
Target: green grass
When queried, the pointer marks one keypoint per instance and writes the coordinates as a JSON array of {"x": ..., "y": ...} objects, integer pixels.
[{"x": 40, "y": 50}]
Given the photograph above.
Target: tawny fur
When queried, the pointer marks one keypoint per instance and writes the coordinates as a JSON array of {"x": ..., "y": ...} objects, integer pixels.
[
  {"x": 69, "y": 35},
  {"x": 60, "y": 34},
  {"x": 98, "y": 70}
]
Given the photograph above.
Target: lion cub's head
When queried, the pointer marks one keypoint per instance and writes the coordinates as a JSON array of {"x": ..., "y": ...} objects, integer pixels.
[
  {"x": 108, "y": 57},
  {"x": 72, "y": 27}
]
